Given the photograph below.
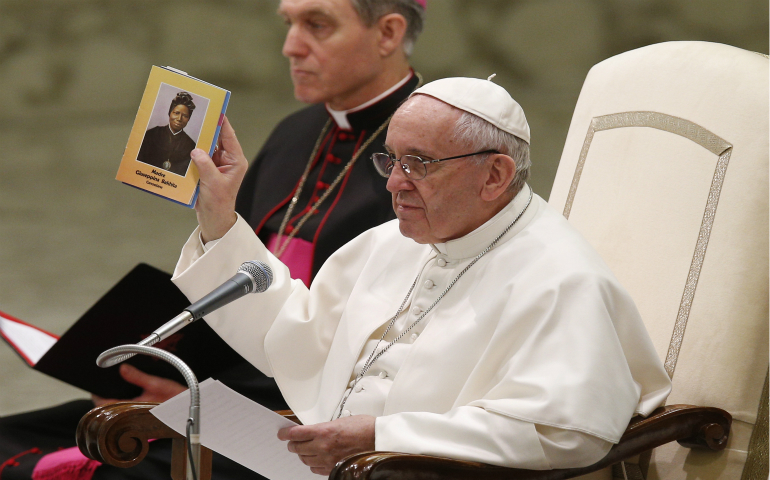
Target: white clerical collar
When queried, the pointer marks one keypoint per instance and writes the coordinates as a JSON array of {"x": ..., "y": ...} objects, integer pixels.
[
  {"x": 172, "y": 132},
  {"x": 475, "y": 242},
  {"x": 341, "y": 116}
]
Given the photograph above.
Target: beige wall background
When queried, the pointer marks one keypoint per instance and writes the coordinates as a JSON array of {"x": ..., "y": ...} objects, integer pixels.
[{"x": 72, "y": 73}]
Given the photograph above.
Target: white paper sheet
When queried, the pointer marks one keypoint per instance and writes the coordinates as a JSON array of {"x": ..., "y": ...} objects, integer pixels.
[{"x": 239, "y": 429}]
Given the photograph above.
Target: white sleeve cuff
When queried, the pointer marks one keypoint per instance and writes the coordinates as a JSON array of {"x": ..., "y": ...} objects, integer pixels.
[{"x": 208, "y": 245}]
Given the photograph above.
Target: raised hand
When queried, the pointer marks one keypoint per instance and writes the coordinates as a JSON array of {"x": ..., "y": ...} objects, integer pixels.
[
  {"x": 321, "y": 446},
  {"x": 220, "y": 178}
]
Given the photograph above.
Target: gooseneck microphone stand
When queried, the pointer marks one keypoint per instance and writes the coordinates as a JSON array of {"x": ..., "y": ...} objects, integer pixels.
[
  {"x": 252, "y": 277},
  {"x": 117, "y": 354}
]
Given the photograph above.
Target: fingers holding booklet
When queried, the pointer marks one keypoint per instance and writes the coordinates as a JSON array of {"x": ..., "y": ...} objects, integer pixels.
[{"x": 220, "y": 178}]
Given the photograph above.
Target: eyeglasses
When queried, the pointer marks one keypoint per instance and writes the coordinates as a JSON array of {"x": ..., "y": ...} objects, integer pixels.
[{"x": 413, "y": 166}]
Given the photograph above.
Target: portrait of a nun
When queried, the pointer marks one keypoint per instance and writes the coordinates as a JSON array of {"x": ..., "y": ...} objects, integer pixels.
[{"x": 168, "y": 146}]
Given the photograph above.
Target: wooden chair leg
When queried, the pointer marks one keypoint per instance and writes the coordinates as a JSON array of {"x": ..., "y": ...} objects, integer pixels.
[{"x": 179, "y": 461}]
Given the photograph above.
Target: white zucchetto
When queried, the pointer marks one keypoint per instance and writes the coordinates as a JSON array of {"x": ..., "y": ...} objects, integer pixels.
[{"x": 482, "y": 98}]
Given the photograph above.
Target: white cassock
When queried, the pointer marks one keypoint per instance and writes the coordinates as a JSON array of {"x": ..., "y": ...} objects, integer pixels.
[{"x": 536, "y": 358}]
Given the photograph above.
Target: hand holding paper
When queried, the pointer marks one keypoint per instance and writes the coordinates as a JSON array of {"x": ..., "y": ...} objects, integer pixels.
[
  {"x": 239, "y": 429},
  {"x": 321, "y": 446}
]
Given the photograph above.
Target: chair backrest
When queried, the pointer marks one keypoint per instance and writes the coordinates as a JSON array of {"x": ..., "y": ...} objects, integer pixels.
[{"x": 665, "y": 171}]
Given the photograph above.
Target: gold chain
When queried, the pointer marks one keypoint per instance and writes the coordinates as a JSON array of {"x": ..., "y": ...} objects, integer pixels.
[{"x": 281, "y": 247}]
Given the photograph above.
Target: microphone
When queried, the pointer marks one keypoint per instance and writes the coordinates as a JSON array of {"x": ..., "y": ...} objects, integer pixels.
[{"x": 252, "y": 277}]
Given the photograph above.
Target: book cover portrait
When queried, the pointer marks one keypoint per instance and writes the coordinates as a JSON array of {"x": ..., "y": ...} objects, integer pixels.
[
  {"x": 173, "y": 129},
  {"x": 177, "y": 114}
]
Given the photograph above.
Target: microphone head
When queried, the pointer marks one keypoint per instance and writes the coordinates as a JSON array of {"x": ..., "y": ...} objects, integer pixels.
[{"x": 260, "y": 272}]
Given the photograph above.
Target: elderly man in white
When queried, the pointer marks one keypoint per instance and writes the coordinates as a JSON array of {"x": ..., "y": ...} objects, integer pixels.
[{"x": 478, "y": 325}]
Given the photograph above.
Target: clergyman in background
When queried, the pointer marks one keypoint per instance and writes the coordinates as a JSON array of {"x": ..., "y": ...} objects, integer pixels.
[{"x": 350, "y": 59}]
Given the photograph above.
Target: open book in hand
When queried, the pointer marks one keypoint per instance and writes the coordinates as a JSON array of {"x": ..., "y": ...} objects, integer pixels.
[{"x": 142, "y": 301}]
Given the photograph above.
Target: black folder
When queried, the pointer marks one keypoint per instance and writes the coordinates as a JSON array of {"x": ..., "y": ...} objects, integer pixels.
[{"x": 139, "y": 303}]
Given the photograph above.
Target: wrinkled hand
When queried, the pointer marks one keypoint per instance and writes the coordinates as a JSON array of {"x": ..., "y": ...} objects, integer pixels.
[
  {"x": 220, "y": 178},
  {"x": 154, "y": 389},
  {"x": 321, "y": 446}
]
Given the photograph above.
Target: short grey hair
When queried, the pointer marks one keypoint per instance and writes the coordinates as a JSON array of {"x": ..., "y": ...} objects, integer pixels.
[
  {"x": 372, "y": 10},
  {"x": 481, "y": 135}
]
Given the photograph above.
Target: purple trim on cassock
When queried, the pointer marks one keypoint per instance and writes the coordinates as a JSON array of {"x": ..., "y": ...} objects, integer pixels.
[{"x": 298, "y": 256}]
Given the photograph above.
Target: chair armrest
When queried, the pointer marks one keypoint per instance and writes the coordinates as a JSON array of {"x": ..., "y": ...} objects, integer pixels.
[
  {"x": 289, "y": 415},
  {"x": 691, "y": 426},
  {"x": 117, "y": 434}
]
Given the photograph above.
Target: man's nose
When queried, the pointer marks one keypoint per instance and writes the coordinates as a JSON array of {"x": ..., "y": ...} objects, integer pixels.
[
  {"x": 294, "y": 45},
  {"x": 398, "y": 180}
]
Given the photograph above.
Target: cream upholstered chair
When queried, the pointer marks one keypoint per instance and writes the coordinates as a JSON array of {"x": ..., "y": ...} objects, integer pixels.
[{"x": 665, "y": 171}]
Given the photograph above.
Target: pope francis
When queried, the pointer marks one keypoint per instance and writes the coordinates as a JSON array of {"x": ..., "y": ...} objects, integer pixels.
[{"x": 478, "y": 325}]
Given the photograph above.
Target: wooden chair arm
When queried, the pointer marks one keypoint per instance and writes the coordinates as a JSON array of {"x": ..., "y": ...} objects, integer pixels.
[
  {"x": 691, "y": 426},
  {"x": 118, "y": 434},
  {"x": 289, "y": 416}
]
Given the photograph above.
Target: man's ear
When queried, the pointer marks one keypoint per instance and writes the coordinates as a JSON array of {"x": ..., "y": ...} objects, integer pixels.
[
  {"x": 392, "y": 28},
  {"x": 501, "y": 170}
]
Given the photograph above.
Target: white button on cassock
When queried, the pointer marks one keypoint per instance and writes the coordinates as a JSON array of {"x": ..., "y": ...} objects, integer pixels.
[
  {"x": 346, "y": 413},
  {"x": 441, "y": 262},
  {"x": 416, "y": 310},
  {"x": 359, "y": 388},
  {"x": 413, "y": 337},
  {"x": 429, "y": 284},
  {"x": 383, "y": 375}
]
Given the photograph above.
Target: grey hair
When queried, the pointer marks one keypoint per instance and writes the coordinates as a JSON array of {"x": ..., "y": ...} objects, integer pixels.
[
  {"x": 372, "y": 10},
  {"x": 481, "y": 135}
]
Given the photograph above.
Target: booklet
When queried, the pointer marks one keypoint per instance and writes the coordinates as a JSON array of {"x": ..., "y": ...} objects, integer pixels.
[
  {"x": 177, "y": 114},
  {"x": 142, "y": 301}
]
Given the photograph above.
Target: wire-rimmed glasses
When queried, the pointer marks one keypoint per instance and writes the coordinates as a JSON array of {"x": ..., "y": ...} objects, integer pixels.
[{"x": 413, "y": 166}]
